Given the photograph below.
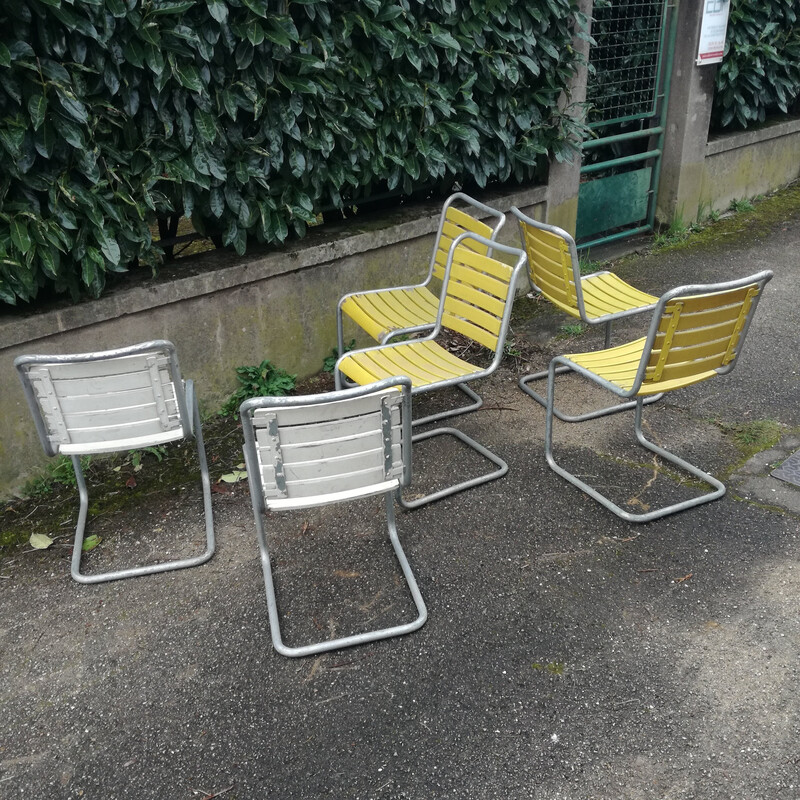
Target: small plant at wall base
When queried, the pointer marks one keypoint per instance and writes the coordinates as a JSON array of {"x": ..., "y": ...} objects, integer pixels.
[
  {"x": 264, "y": 380},
  {"x": 329, "y": 362}
]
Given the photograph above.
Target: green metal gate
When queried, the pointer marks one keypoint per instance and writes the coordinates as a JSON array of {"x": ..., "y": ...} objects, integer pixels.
[{"x": 627, "y": 96}]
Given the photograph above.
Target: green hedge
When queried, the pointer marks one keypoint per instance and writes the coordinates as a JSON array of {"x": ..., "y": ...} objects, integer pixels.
[
  {"x": 760, "y": 73},
  {"x": 253, "y": 116}
]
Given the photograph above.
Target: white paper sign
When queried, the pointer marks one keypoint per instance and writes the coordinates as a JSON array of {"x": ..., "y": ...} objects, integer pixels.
[{"x": 712, "y": 31}]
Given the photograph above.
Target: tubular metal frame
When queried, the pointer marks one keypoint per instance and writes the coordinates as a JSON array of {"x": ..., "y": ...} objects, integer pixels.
[
  {"x": 260, "y": 507},
  {"x": 567, "y": 365},
  {"x": 477, "y": 400},
  {"x": 185, "y": 398},
  {"x": 605, "y": 320},
  {"x": 502, "y": 466}
]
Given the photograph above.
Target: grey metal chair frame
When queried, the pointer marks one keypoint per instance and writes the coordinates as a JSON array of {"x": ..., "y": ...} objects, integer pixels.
[
  {"x": 286, "y": 489},
  {"x": 563, "y": 363},
  {"x": 169, "y": 419},
  {"x": 606, "y": 320},
  {"x": 457, "y": 197},
  {"x": 500, "y": 464}
]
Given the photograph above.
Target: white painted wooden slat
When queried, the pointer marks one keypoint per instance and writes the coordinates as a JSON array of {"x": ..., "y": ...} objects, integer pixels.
[
  {"x": 104, "y": 367},
  {"x": 314, "y": 451},
  {"x": 136, "y": 430},
  {"x": 334, "y": 468},
  {"x": 102, "y": 385},
  {"x": 322, "y": 412},
  {"x": 304, "y": 450},
  {"x": 125, "y": 399},
  {"x": 294, "y": 503},
  {"x": 323, "y": 486},
  {"x": 128, "y": 443},
  {"x": 341, "y": 429},
  {"x": 120, "y": 416}
]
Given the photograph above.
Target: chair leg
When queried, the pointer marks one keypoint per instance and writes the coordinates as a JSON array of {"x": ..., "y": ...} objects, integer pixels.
[
  {"x": 502, "y": 468},
  {"x": 719, "y": 487},
  {"x": 345, "y": 641},
  {"x": 132, "y": 572},
  {"x": 454, "y": 412},
  {"x": 602, "y": 412}
]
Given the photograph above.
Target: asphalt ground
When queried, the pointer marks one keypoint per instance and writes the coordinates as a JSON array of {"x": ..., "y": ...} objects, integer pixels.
[{"x": 567, "y": 654}]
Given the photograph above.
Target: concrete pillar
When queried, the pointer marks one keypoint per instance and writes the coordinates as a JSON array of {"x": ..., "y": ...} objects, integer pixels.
[
  {"x": 564, "y": 179},
  {"x": 688, "y": 117}
]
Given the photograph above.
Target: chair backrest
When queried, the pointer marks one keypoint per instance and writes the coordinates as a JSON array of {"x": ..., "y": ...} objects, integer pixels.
[
  {"x": 312, "y": 450},
  {"x": 106, "y": 401},
  {"x": 552, "y": 263},
  {"x": 453, "y": 222},
  {"x": 479, "y": 292},
  {"x": 698, "y": 332}
]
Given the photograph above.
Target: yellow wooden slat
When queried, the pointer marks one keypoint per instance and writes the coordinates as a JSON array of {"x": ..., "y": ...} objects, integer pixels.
[
  {"x": 686, "y": 369},
  {"x": 609, "y": 294},
  {"x": 486, "y": 283},
  {"x": 359, "y": 371},
  {"x": 466, "y": 222},
  {"x": 400, "y": 361},
  {"x": 553, "y": 289},
  {"x": 403, "y": 308},
  {"x": 715, "y": 347},
  {"x": 470, "y": 330},
  {"x": 440, "y": 362},
  {"x": 443, "y": 359},
  {"x": 453, "y": 307},
  {"x": 669, "y": 386},
  {"x": 704, "y": 319},
  {"x": 697, "y": 303},
  {"x": 549, "y": 244},
  {"x": 686, "y": 338},
  {"x": 482, "y": 263},
  {"x": 486, "y": 302},
  {"x": 548, "y": 255},
  {"x": 380, "y": 312}
]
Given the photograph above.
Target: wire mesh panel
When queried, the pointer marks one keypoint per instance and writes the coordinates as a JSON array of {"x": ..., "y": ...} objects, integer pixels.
[{"x": 626, "y": 60}]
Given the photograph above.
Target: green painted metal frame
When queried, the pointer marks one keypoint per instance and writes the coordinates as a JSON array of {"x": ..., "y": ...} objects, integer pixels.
[{"x": 664, "y": 62}]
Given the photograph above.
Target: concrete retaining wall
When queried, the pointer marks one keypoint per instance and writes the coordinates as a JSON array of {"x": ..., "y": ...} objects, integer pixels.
[
  {"x": 223, "y": 311},
  {"x": 749, "y": 163}
]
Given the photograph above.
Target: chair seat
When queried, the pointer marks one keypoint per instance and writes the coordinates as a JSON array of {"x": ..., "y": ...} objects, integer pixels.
[
  {"x": 380, "y": 313},
  {"x": 606, "y": 293},
  {"x": 618, "y": 365},
  {"x": 425, "y": 362}
]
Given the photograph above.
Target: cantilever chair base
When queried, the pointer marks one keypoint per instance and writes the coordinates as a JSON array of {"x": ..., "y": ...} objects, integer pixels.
[
  {"x": 166, "y": 566},
  {"x": 502, "y": 468},
  {"x": 719, "y": 487},
  {"x": 454, "y": 412},
  {"x": 308, "y": 451},
  {"x": 112, "y": 401},
  {"x": 345, "y": 641},
  {"x": 600, "y": 412}
]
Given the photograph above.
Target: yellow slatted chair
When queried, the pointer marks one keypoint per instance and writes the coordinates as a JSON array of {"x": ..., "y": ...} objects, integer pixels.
[
  {"x": 476, "y": 302},
  {"x": 696, "y": 333},
  {"x": 394, "y": 311},
  {"x": 596, "y": 299}
]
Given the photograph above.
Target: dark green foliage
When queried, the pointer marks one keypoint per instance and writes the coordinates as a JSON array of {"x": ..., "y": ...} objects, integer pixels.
[
  {"x": 264, "y": 380},
  {"x": 329, "y": 362},
  {"x": 251, "y": 117},
  {"x": 760, "y": 73}
]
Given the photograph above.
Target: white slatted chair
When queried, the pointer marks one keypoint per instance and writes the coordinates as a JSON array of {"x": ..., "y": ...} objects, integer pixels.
[
  {"x": 309, "y": 451},
  {"x": 124, "y": 399}
]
